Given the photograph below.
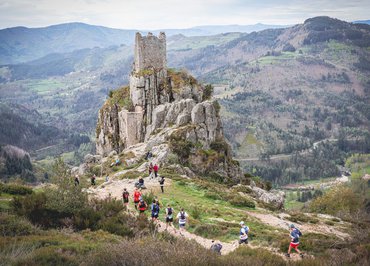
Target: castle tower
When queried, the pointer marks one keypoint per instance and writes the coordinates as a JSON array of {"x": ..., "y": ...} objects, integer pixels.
[
  {"x": 149, "y": 72},
  {"x": 150, "y": 52}
]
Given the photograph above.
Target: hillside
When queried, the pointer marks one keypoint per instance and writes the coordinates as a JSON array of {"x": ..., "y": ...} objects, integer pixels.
[
  {"x": 283, "y": 90},
  {"x": 57, "y": 224},
  {"x": 21, "y": 44},
  {"x": 298, "y": 86}
]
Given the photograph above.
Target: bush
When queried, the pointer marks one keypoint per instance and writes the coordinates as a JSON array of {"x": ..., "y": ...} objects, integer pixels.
[
  {"x": 11, "y": 225},
  {"x": 210, "y": 230},
  {"x": 11, "y": 253},
  {"x": 148, "y": 197},
  {"x": 213, "y": 195},
  {"x": 243, "y": 189},
  {"x": 207, "y": 92},
  {"x": 15, "y": 189},
  {"x": 240, "y": 201},
  {"x": 340, "y": 200},
  {"x": 148, "y": 251},
  {"x": 117, "y": 225},
  {"x": 48, "y": 256},
  {"x": 195, "y": 212},
  {"x": 33, "y": 207},
  {"x": 219, "y": 146},
  {"x": 95, "y": 215},
  {"x": 247, "y": 256}
]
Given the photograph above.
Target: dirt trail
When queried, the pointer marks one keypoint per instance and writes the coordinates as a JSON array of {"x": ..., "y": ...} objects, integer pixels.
[
  {"x": 114, "y": 188},
  {"x": 282, "y": 222}
]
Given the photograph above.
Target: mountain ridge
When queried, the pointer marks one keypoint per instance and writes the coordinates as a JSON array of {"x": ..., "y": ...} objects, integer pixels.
[{"x": 21, "y": 44}]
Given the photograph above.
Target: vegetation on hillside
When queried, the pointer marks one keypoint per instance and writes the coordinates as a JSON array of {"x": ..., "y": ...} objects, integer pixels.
[{"x": 59, "y": 225}]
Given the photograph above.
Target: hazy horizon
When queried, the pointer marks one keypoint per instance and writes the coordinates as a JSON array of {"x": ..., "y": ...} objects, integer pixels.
[{"x": 175, "y": 14}]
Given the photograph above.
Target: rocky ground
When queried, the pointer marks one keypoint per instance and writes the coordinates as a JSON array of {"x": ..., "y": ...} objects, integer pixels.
[{"x": 114, "y": 187}]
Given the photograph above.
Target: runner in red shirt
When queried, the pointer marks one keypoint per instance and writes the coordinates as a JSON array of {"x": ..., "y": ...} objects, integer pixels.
[
  {"x": 137, "y": 196},
  {"x": 155, "y": 168}
]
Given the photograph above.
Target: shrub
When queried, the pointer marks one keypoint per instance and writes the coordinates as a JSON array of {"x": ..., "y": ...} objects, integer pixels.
[
  {"x": 210, "y": 230},
  {"x": 15, "y": 189},
  {"x": 340, "y": 200},
  {"x": 148, "y": 251},
  {"x": 11, "y": 225},
  {"x": 215, "y": 177},
  {"x": 116, "y": 225},
  {"x": 132, "y": 174},
  {"x": 248, "y": 256},
  {"x": 241, "y": 201},
  {"x": 207, "y": 92},
  {"x": 14, "y": 252},
  {"x": 33, "y": 207},
  {"x": 213, "y": 195},
  {"x": 195, "y": 212},
  {"x": 243, "y": 189},
  {"x": 219, "y": 146},
  {"x": 181, "y": 148},
  {"x": 48, "y": 256},
  {"x": 149, "y": 197}
]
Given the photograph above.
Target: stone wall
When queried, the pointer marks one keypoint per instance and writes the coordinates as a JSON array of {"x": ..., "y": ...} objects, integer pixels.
[
  {"x": 150, "y": 52},
  {"x": 130, "y": 127}
]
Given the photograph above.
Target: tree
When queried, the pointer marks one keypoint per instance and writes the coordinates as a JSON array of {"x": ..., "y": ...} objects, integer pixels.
[
  {"x": 65, "y": 196},
  {"x": 207, "y": 92}
]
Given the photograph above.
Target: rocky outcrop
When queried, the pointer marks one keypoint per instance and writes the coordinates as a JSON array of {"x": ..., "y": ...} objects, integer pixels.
[
  {"x": 161, "y": 110},
  {"x": 273, "y": 197}
]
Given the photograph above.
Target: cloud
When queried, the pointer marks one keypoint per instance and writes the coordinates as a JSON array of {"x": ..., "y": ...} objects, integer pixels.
[{"x": 154, "y": 14}]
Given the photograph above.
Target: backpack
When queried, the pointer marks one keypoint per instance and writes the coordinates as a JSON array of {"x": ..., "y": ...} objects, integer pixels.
[
  {"x": 246, "y": 230},
  {"x": 169, "y": 211},
  {"x": 155, "y": 208},
  {"x": 142, "y": 204},
  {"x": 125, "y": 195},
  {"x": 216, "y": 247},
  {"x": 182, "y": 215}
]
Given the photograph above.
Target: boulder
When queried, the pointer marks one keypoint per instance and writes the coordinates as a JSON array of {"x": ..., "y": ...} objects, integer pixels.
[{"x": 273, "y": 197}]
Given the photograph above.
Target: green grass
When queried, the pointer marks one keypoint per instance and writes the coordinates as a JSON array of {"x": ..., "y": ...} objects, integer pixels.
[
  {"x": 197, "y": 42},
  {"x": 269, "y": 60},
  {"x": 216, "y": 219},
  {"x": 291, "y": 201},
  {"x": 55, "y": 242},
  {"x": 335, "y": 46},
  {"x": 44, "y": 86},
  {"x": 4, "y": 204}
]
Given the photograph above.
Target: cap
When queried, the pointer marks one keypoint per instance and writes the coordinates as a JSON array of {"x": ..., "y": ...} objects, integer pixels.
[
  {"x": 291, "y": 226},
  {"x": 241, "y": 223}
]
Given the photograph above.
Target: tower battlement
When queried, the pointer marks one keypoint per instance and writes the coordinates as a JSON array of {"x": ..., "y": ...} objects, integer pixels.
[{"x": 150, "y": 52}]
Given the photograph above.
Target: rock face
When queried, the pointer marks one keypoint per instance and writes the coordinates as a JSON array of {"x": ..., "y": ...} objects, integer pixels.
[
  {"x": 162, "y": 109},
  {"x": 273, "y": 197}
]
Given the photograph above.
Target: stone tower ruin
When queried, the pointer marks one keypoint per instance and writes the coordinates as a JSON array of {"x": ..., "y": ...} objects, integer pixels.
[
  {"x": 150, "y": 52},
  {"x": 149, "y": 76}
]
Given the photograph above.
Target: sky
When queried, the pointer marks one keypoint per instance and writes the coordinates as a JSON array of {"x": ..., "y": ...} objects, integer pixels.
[{"x": 165, "y": 14}]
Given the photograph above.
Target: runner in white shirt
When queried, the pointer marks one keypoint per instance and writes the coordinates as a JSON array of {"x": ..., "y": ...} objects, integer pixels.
[{"x": 182, "y": 216}]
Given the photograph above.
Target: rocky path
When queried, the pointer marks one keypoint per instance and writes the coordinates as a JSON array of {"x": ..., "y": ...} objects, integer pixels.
[
  {"x": 114, "y": 188},
  {"x": 281, "y": 220}
]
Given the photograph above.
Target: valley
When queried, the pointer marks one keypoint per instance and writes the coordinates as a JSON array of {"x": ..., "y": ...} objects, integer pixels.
[{"x": 270, "y": 128}]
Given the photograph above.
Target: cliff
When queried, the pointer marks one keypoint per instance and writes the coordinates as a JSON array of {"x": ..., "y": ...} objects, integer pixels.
[{"x": 166, "y": 112}]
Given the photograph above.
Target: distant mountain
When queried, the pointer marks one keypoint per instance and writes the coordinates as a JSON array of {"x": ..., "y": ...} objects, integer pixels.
[
  {"x": 280, "y": 89},
  {"x": 362, "y": 21},
  {"x": 218, "y": 29},
  {"x": 24, "y": 127},
  {"x": 21, "y": 44}
]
